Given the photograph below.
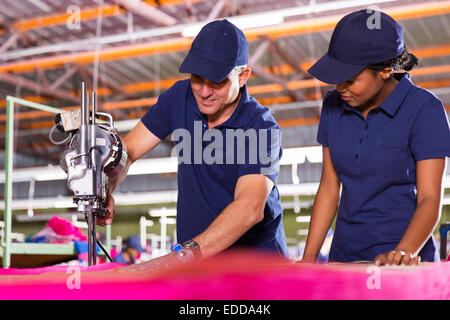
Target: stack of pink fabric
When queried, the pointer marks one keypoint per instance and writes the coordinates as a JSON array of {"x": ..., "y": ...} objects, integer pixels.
[{"x": 58, "y": 230}]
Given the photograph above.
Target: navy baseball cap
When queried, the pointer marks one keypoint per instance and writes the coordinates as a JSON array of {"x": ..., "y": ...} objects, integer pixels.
[
  {"x": 134, "y": 242},
  {"x": 359, "y": 39},
  {"x": 216, "y": 50}
]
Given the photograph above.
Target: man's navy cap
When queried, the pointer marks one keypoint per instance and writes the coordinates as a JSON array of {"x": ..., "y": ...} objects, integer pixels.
[
  {"x": 359, "y": 39},
  {"x": 216, "y": 50}
]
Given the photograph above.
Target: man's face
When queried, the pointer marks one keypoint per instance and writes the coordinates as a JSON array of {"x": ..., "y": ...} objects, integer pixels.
[{"x": 212, "y": 97}]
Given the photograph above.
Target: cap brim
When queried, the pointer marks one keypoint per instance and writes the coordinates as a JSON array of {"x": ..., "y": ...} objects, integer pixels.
[
  {"x": 332, "y": 71},
  {"x": 205, "y": 67}
]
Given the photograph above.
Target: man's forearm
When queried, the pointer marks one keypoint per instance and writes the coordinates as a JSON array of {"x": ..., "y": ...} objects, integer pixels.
[
  {"x": 235, "y": 220},
  {"x": 117, "y": 180}
]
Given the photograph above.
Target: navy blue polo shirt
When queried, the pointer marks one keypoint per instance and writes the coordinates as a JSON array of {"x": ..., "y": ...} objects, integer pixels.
[
  {"x": 375, "y": 159},
  {"x": 210, "y": 162}
]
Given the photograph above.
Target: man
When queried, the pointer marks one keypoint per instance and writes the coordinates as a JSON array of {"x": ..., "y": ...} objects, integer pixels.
[
  {"x": 224, "y": 200},
  {"x": 130, "y": 251}
]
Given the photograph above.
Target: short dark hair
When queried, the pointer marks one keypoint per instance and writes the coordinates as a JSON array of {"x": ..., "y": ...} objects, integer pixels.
[{"x": 405, "y": 61}]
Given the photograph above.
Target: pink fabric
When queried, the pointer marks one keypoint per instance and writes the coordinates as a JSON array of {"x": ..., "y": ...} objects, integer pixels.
[
  {"x": 58, "y": 230},
  {"x": 65, "y": 228},
  {"x": 238, "y": 276},
  {"x": 30, "y": 271}
]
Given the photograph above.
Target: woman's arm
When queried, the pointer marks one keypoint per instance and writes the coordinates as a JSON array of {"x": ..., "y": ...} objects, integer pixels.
[
  {"x": 429, "y": 195},
  {"x": 324, "y": 208}
]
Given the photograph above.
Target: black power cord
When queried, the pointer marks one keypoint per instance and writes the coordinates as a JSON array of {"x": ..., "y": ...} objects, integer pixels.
[{"x": 104, "y": 251}]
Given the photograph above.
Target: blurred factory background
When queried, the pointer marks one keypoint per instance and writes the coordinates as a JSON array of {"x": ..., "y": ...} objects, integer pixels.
[{"x": 129, "y": 52}]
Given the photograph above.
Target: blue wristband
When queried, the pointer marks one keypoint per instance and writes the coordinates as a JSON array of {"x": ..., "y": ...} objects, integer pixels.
[{"x": 177, "y": 248}]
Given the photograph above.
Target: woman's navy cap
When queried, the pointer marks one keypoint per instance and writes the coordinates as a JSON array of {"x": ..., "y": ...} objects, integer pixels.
[
  {"x": 359, "y": 39},
  {"x": 216, "y": 50}
]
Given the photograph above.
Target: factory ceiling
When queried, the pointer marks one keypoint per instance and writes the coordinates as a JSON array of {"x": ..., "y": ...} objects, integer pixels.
[{"x": 129, "y": 52}]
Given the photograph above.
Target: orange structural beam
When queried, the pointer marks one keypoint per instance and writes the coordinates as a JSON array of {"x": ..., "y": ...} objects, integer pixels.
[
  {"x": 252, "y": 89},
  {"x": 410, "y": 11},
  {"x": 255, "y": 89},
  {"x": 180, "y": 43},
  {"x": 283, "y": 123},
  {"x": 147, "y": 102},
  {"x": 430, "y": 70},
  {"x": 112, "y": 53},
  {"x": 85, "y": 14}
]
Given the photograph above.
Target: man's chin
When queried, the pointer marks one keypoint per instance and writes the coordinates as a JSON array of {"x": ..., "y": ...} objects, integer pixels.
[{"x": 208, "y": 110}]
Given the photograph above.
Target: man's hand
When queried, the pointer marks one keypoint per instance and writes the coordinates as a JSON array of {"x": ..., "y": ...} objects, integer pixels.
[
  {"x": 109, "y": 204},
  {"x": 397, "y": 257}
]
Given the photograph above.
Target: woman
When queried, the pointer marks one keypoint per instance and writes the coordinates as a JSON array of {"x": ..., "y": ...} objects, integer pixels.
[{"x": 385, "y": 141}]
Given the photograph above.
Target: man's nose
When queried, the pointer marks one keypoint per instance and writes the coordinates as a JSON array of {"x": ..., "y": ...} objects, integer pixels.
[{"x": 205, "y": 90}]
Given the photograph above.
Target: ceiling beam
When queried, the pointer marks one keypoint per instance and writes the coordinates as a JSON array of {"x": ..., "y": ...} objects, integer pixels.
[
  {"x": 107, "y": 54},
  {"x": 30, "y": 85},
  {"x": 107, "y": 82},
  {"x": 181, "y": 43},
  {"x": 12, "y": 40},
  {"x": 66, "y": 75},
  {"x": 215, "y": 11},
  {"x": 260, "y": 72},
  {"x": 148, "y": 12},
  {"x": 133, "y": 88},
  {"x": 85, "y": 15},
  {"x": 253, "y": 90}
]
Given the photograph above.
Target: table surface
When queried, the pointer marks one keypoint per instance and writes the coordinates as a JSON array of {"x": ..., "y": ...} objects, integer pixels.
[{"x": 238, "y": 276}]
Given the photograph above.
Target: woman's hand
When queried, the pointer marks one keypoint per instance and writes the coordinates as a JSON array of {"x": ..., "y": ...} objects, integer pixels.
[{"x": 397, "y": 257}]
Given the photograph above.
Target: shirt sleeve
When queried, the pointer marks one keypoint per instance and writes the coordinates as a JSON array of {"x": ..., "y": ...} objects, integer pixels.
[
  {"x": 430, "y": 138},
  {"x": 266, "y": 151},
  {"x": 160, "y": 118},
  {"x": 322, "y": 131}
]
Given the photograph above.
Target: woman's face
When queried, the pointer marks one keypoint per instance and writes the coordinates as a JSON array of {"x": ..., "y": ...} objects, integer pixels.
[{"x": 364, "y": 88}]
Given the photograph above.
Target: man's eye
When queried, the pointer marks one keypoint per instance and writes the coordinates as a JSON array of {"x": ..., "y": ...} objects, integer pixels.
[{"x": 221, "y": 83}]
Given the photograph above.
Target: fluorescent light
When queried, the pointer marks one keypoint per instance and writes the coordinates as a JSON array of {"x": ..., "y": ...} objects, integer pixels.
[
  {"x": 265, "y": 19},
  {"x": 163, "y": 212},
  {"x": 188, "y": 30},
  {"x": 64, "y": 204},
  {"x": 242, "y": 22},
  {"x": 299, "y": 155},
  {"x": 154, "y": 165},
  {"x": 125, "y": 125}
]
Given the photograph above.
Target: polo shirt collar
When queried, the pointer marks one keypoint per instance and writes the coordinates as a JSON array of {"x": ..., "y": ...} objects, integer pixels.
[
  {"x": 391, "y": 104},
  {"x": 239, "y": 116}
]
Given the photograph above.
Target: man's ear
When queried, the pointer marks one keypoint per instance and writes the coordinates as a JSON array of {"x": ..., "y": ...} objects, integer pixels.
[{"x": 243, "y": 76}]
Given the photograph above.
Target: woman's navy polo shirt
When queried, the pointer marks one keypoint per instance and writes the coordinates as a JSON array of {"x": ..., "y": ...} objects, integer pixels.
[
  {"x": 375, "y": 159},
  {"x": 205, "y": 187}
]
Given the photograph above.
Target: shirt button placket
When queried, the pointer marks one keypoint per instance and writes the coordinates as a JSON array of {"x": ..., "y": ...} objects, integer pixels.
[{"x": 360, "y": 142}]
